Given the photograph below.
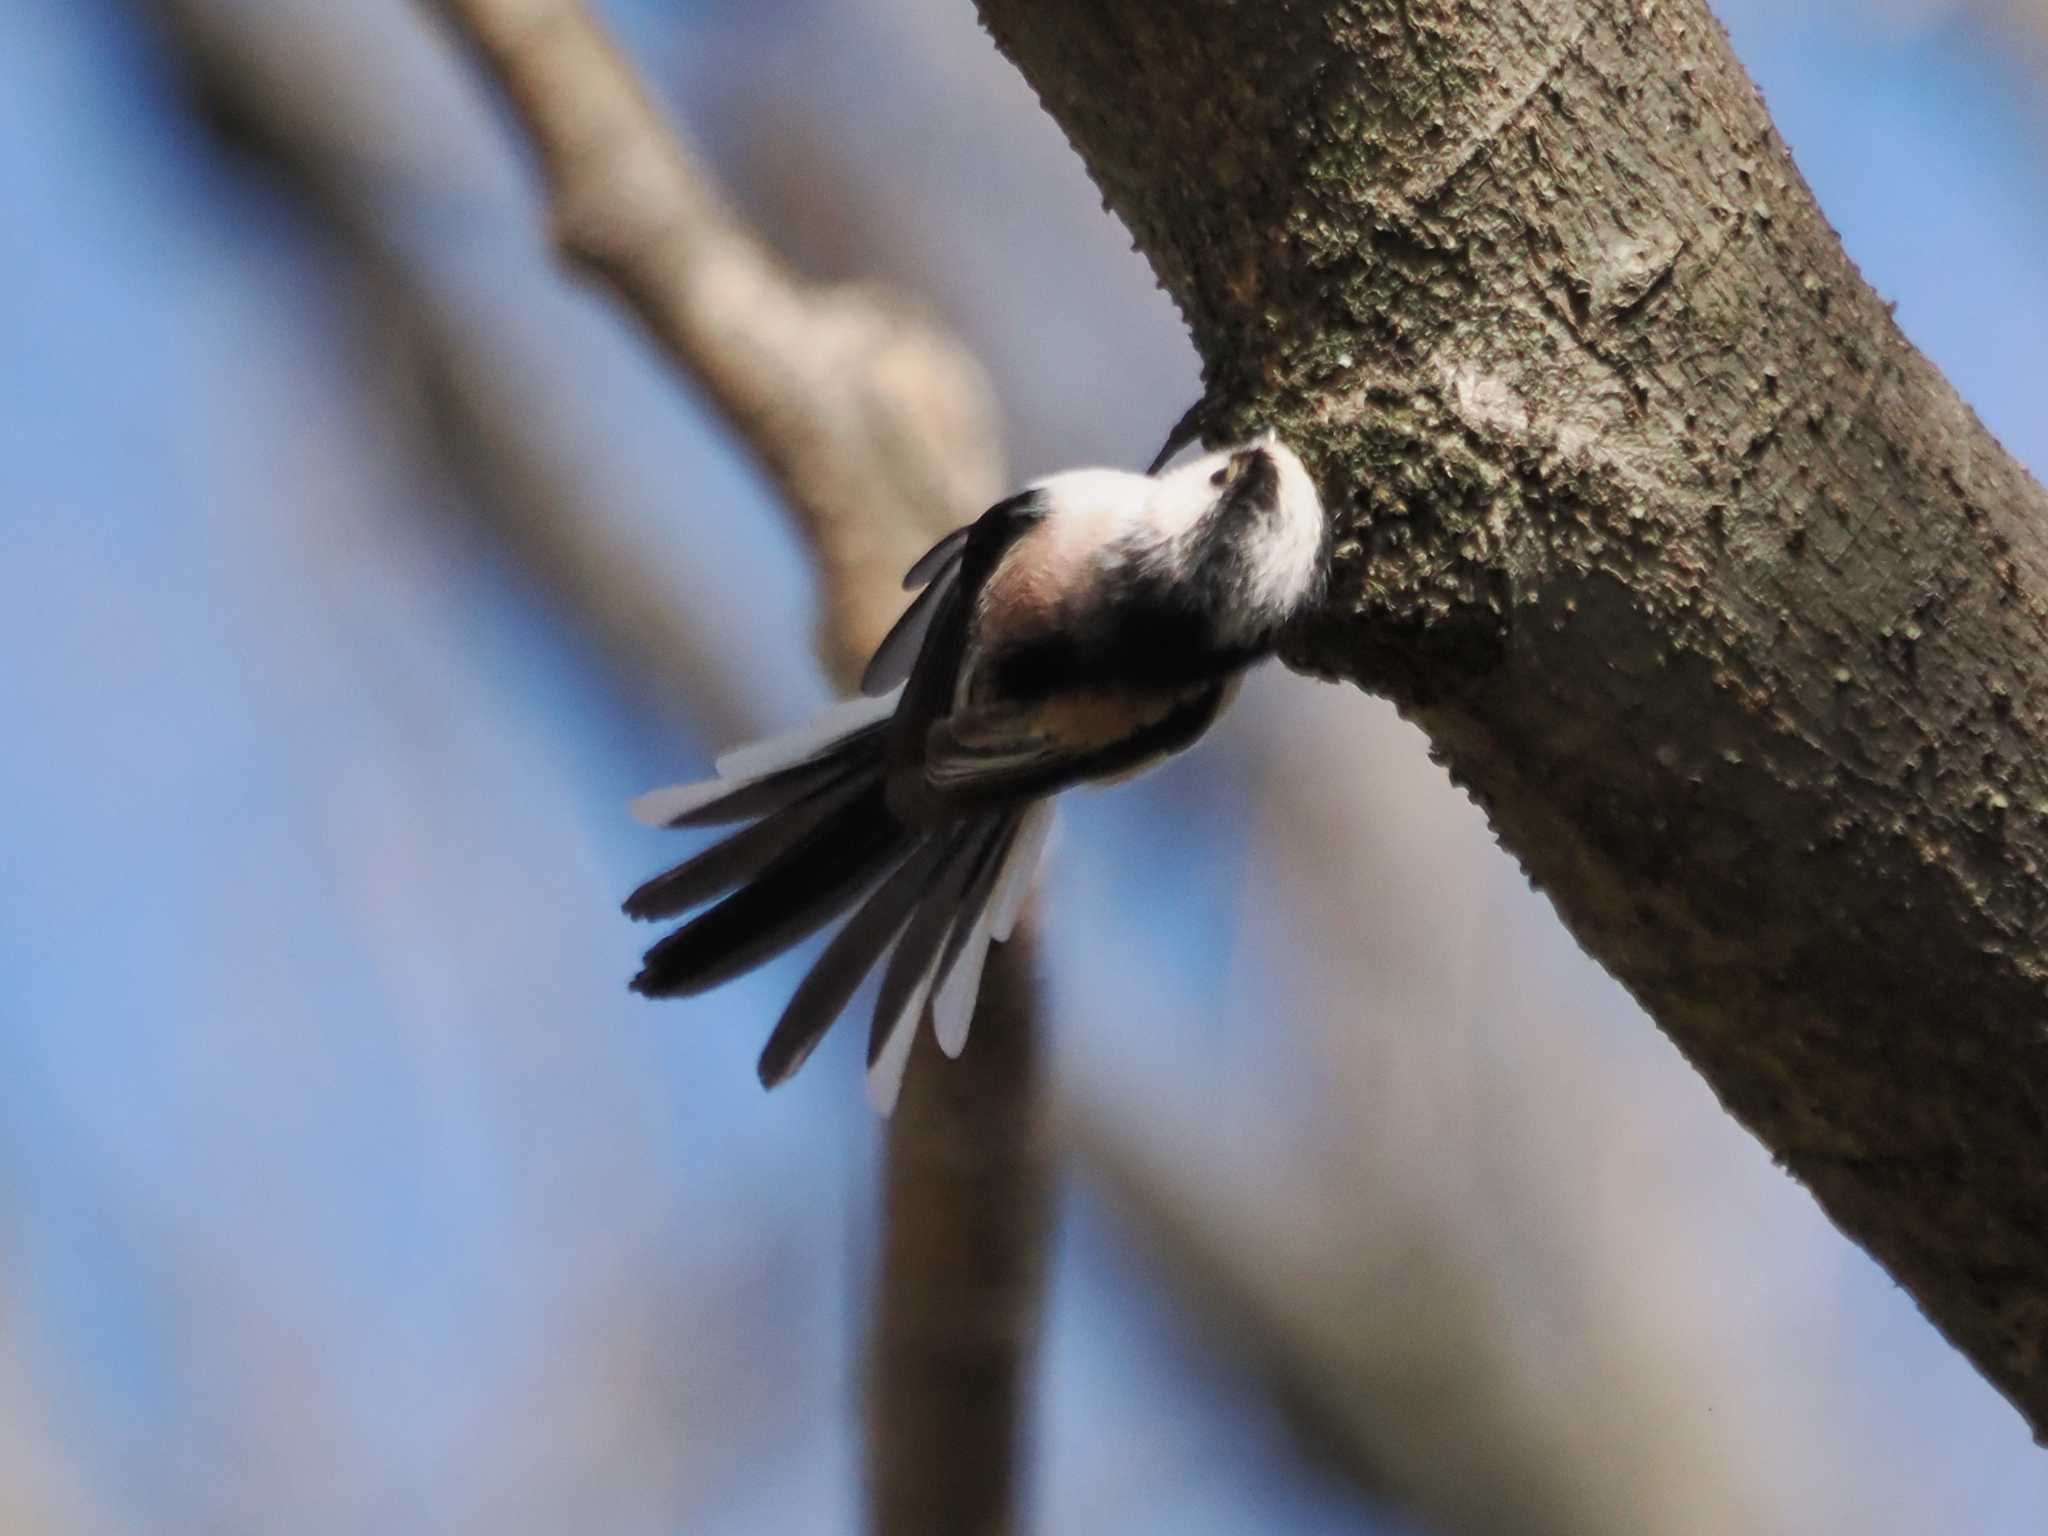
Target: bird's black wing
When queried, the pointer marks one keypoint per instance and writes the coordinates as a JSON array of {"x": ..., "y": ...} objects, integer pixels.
[
  {"x": 967, "y": 553},
  {"x": 897, "y": 655},
  {"x": 934, "y": 560},
  {"x": 934, "y": 675}
]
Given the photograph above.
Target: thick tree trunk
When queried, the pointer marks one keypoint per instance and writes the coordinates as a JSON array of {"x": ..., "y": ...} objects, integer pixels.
[{"x": 1700, "y": 578}]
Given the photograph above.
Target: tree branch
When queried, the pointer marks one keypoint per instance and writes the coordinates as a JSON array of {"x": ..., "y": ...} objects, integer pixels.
[
  {"x": 1701, "y": 579},
  {"x": 875, "y": 425},
  {"x": 966, "y": 1204},
  {"x": 877, "y": 428}
]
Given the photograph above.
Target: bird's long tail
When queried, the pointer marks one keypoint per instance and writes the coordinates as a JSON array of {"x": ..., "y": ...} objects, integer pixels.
[{"x": 821, "y": 841}]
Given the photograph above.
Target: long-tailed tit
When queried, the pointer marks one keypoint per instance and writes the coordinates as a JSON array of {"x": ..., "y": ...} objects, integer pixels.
[{"x": 1085, "y": 628}]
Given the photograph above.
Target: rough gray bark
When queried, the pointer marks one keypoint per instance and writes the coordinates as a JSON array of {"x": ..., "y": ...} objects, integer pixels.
[{"x": 1702, "y": 581}]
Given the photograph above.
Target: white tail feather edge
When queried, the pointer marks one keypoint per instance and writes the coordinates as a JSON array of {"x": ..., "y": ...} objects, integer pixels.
[
  {"x": 885, "y": 1077},
  {"x": 786, "y": 751},
  {"x": 757, "y": 759},
  {"x": 659, "y": 807},
  {"x": 1020, "y": 871},
  {"x": 953, "y": 1008}
]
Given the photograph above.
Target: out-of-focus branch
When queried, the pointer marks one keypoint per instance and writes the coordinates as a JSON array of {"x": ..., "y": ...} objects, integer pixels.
[
  {"x": 877, "y": 428},
  {"x": 875, "y": 424},
  {"x": 963, "y": 1270}
]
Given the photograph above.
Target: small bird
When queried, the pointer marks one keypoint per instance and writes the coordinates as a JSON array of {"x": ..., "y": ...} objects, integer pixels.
[{"x": 1086, "y": 628}]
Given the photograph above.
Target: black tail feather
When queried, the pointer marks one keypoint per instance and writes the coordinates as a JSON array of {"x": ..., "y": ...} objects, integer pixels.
[
  {"x": 928, "y": 932},
  {"x": 826, "y": 840},
  {"x": 744, "y": 854},
  {"x": 839, "y": 971},
  {"x": 985, "y": 869},
  {"x": 798, "y": 893},
  {"x": 942, "y": 554},
  {"x": 771, "y": 792}
]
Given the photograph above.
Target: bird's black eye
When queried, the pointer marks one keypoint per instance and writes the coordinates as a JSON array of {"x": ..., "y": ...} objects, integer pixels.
[{"x": 1221, "y": 477}]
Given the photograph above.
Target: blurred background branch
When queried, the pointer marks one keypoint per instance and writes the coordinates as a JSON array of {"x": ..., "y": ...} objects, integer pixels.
[{"x": 878, "y": 429}]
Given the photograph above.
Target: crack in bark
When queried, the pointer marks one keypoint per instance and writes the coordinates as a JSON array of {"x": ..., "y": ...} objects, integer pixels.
[{"x": 1424, "y": 191}]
